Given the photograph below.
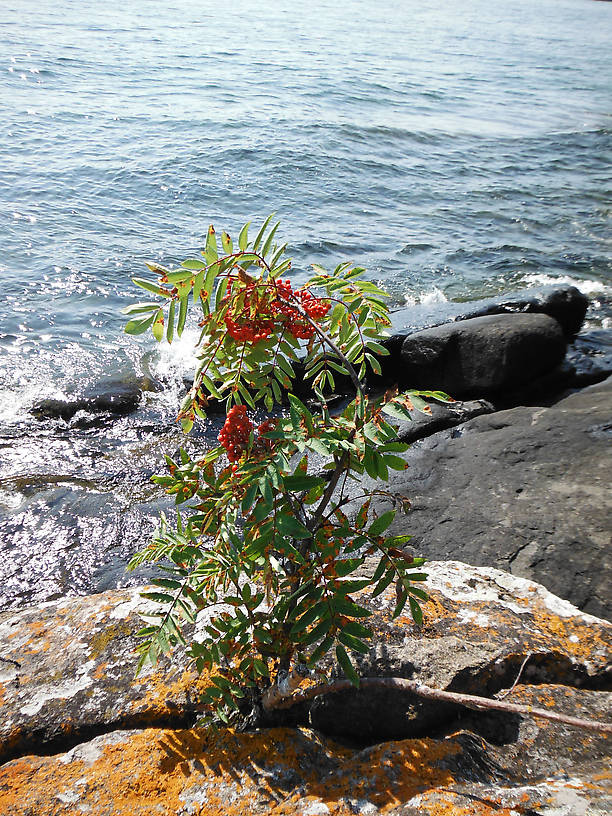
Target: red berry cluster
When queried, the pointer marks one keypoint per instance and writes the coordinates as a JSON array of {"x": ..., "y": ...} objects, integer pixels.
[
  {"x": 295, "y": 323},
  {"x": 251, "y": 332},
  {"x": 234, "y": 435},
  {"x": 263, "y": 444},
  {"x": 274, "y": 310}
]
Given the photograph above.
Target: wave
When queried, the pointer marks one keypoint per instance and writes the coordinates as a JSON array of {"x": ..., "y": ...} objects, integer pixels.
[
  {"x": 426, "y": 297},
  {"x": 588, "y": 287}
]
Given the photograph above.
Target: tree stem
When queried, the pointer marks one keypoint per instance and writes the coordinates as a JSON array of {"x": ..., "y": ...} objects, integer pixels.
[{"x": 287, "y": 696}]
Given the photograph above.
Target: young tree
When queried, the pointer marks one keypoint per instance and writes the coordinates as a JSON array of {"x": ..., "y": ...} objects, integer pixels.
[
  {"x": 263, "y": 545},
  {"x": 264, "y": 549}
]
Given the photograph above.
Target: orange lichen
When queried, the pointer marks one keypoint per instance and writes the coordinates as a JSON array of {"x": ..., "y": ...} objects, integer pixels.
[
  {"x": 157, "y": 771},
  {"x": 100, "y": 671},
  {"x": 39, "y": 640},
  {"x": 449, "y": 803},
  {"x": 577, "y": 637},
  {"x": 160, "y": 695}
]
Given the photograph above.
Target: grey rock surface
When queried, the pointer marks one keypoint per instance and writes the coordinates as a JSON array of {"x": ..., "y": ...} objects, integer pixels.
[
  {"x": 478, "y": 627},
  {"x": 526, "y": 490},
  {"x": 482, "y": 356}
]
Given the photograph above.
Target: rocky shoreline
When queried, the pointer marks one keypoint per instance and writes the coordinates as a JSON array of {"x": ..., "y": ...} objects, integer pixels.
[
  {"x": 510, "y": 498},
  {"x": 79, "y": 734}
]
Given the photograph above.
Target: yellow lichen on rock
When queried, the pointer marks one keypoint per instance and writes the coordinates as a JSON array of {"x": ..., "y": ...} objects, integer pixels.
[{"x": 274, "y": 771}]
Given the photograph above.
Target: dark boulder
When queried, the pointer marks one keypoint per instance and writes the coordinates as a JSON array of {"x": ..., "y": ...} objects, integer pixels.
[
  {"x": 526, "y": 490},
  {"x": 483, "y": 356},
  {"x": 442, "y": 416},
  {"x": 566, "y": 304}
]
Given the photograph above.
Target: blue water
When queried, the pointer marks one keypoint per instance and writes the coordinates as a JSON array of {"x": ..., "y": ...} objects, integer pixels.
[{"x": 455, "y": 149}]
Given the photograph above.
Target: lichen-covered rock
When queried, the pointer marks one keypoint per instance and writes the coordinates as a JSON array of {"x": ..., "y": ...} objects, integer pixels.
[
  {"x": 479, "y": 626},
  {"x": 67, "y": 667},
  {"x": 296, "y": 772},
  {"x": 67, "y": 670}
]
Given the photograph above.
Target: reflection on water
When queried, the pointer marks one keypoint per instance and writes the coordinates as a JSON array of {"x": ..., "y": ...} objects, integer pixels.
[
  {"x": 76, "y": 504},
  {"x": 456, "y": 150}
]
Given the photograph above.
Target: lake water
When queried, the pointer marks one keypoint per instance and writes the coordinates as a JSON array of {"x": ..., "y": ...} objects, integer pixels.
[{"x": 456, "y": 150}]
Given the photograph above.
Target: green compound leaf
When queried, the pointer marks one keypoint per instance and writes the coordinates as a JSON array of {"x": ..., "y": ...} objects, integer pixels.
[
  {"x": 347, "y": 667},
  {"x": 353, "y": 643},
  {"x": 243, "y": 238},
  {"x": 415, "y": 609},
  {"x": 290, "y": 526},
  {"x": 265, "y": 529},
  {"x": 139, "y": 326},
  {"x": 193, "y": 263},
  {"x": 299, "y": 482},
  {"x": 381, "y": 523},
  {"x": 158, "y": 326}
]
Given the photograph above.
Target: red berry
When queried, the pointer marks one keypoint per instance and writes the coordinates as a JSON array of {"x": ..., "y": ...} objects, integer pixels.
[{"x": 234, "y": 435}]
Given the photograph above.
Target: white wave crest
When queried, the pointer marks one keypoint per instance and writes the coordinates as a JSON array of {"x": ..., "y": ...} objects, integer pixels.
[
  {"x": 434, "y": 295},
  {"x": 587, "y": 287}
]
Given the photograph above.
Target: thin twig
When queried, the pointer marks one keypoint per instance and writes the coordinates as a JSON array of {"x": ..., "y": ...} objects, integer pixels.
[
  {"x": 327, "y": 339},
  {"x": 520, "y": 671},
  {"x": 276, "y": 698}
]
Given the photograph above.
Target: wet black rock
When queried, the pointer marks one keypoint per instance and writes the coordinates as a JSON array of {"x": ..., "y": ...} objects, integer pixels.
[
  {"x": 110, "y": 398},
  {"x": 590, "y": 356},
  {"x": 565, "y": 303},
  {"x": 442, "y": 417},
  {"x": 482, "y": 356},
  {"x": 526, "y": 490}
]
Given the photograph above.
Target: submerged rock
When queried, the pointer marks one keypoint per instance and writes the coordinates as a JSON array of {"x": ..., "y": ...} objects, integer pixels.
[
  {"x": 106, "y": 398},
  {"x": 119, "y": 402},
  {"x": 442, "y": 417}
]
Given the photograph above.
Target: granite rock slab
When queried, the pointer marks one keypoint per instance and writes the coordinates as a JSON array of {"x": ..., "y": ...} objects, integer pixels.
[
  {"x": 68, "y": 667},
  {"x": 297, "y": 772}
]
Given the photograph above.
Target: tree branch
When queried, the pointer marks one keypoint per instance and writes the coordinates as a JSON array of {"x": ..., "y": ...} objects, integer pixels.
[{"x": 282, "y": 696}]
